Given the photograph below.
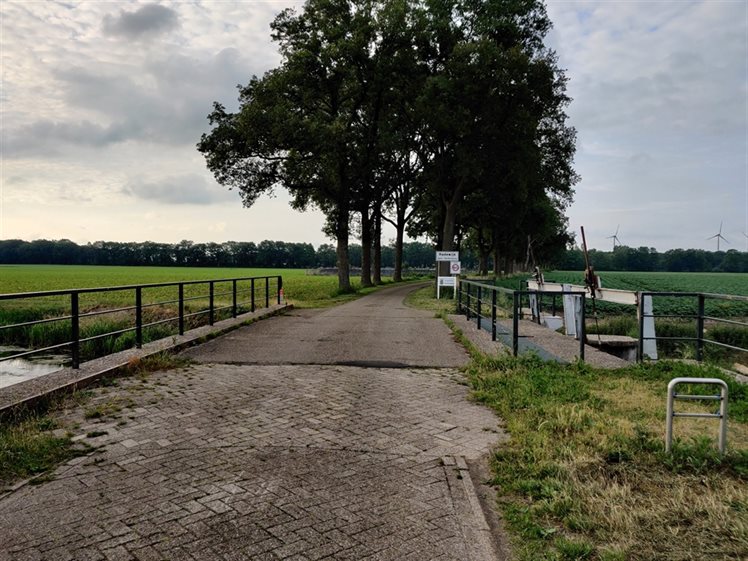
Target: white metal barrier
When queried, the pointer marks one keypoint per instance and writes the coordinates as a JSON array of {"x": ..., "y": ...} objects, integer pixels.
[{"x": 722, "y": 415}]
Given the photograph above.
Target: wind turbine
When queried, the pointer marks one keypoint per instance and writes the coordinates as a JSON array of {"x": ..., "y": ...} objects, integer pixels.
[
  {"x": 614, "y": 237},
  {"x": 746, "y": 241},
  {"x": 719, "y": 236}
]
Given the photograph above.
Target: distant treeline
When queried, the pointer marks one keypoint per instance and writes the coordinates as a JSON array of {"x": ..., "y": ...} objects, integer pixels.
[
  {"x": 625, "y": 258},
  {"x": 277, "y": 254},
  {"x": 273, "y": 254}
]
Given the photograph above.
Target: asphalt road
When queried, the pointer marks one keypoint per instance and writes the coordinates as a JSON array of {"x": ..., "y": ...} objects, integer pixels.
[{"x": 377, "y": 330}]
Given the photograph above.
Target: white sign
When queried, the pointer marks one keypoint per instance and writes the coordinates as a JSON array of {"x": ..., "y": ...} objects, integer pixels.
[
  {"x": 447, "y": 255},
  {"x": 447, "y": 281},
  {"x": 455, "y": 267}
]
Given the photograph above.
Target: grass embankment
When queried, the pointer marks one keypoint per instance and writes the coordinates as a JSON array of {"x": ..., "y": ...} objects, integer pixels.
[
  {"x": 585, "y": 476},
  {"x": 34, "y": 442}
]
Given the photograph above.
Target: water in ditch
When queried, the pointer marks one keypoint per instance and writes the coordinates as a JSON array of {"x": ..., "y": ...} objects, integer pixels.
[{"x": 17, "y": 370}]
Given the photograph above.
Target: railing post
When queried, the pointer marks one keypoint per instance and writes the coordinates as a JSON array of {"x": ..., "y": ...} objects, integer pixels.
[
  {"x": 75, "y": 329},
  {"x": 211, "y": 304},
  {"x": 477, "y": 307},
  {"x": 640, "y": 342},
  {"x": 252, "y": 290},
  {"x": 233, "y": 301},
  {"x": 181, "y": 308},
  {"x": 515, "y": 324},
  {"x": 280, "y": 288},
  {"x": 138, "y": 317},
  {"x": 582, "y": 329},
  {"x": 467, "y": 301},
  {"x": 493, "y": 315},
  {"x": 459, "y": 298},
  {"x": 700, "y": 330}
]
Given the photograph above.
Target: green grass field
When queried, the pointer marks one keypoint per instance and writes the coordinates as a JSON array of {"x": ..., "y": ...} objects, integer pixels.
[{"x": 300, "y": 289}]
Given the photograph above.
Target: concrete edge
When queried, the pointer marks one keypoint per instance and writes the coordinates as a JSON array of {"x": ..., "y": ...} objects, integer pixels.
[
  {"x": 481, "y": 530},
  {"x": 32, "y": 393}
]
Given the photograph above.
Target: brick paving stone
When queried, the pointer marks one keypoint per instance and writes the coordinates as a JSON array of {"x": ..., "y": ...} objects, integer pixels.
[{"x": 252, "y": 461}]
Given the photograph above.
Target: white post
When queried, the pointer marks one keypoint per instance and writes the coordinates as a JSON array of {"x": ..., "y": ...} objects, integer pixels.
[
  {"x": 570, "y": 321},
  {"x": 650, "y": 345}
]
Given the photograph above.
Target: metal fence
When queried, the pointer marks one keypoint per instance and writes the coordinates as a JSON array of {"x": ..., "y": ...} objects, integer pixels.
[
  {"x": 206, "y": 302},
  {"x": 484, "y": 303},
  {"x": 700, "y": 317}
]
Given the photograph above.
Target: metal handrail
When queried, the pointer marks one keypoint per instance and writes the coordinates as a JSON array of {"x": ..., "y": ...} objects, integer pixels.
[
  {"x": 17, "y": 295},
  {"x": 700, "y": 317},
  {"x": 516, "y": 295},
  {"x": 75, "y": 315},
  {"x": 472, "y": 299}
]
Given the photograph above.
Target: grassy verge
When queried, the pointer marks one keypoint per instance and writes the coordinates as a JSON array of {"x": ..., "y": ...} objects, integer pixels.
[
  {"x": 425, "y": 299},
  {"x": 32, "y": 446},
  {"x": 35, "y": 442},
  {"x": 585, "y": 475}
]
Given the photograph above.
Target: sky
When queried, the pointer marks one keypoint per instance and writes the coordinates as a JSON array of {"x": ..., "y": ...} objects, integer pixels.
[{"x": 102, "y": 103}]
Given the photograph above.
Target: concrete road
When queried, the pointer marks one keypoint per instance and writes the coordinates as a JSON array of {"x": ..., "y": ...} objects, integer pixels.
[
  {"x": 242, "y": 458},
  {"x": 378, "y": 330}
]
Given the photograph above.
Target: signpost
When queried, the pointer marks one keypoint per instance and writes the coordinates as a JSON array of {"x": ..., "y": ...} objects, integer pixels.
[{"x": 455, "y": 268}]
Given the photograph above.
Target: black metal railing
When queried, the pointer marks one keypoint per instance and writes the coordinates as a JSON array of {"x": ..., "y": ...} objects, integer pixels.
[
  {"x": 484, "y": 303},
  {"x": 698, "y": 316},
  {"x": 234, "y": 296}
]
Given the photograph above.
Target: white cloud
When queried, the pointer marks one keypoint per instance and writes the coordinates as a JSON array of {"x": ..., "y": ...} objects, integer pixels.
[{"x": 103, "y": 103}]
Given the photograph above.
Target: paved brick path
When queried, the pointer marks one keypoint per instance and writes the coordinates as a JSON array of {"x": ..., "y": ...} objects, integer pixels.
[{"x": 231, "y": 462}]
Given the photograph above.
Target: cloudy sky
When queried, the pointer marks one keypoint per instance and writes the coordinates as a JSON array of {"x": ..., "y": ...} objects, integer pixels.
[{"x": 102, "y": 104}]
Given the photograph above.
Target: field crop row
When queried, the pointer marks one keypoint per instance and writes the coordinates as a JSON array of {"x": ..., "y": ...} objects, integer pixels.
[{"x": 714, "y": 283}]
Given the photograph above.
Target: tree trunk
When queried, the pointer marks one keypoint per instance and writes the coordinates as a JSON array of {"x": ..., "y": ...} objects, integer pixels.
[
  {"x": 483, "y": 264},
  {"x": 398, "y": 275},
  {"x": 449, "y": 227},
  {"x": 450, "y": 221},
  {"x": 365, "y": 248},
  {"x": 344, "y": 266},
  {"x": 496, "y": 263},
  {"x": 377, "y": 265}
]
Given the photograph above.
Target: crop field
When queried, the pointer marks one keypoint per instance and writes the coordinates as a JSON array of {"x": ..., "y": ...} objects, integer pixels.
[
  {"x": 709, "y": 283},
  {"x": 715, "y": 283}
]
